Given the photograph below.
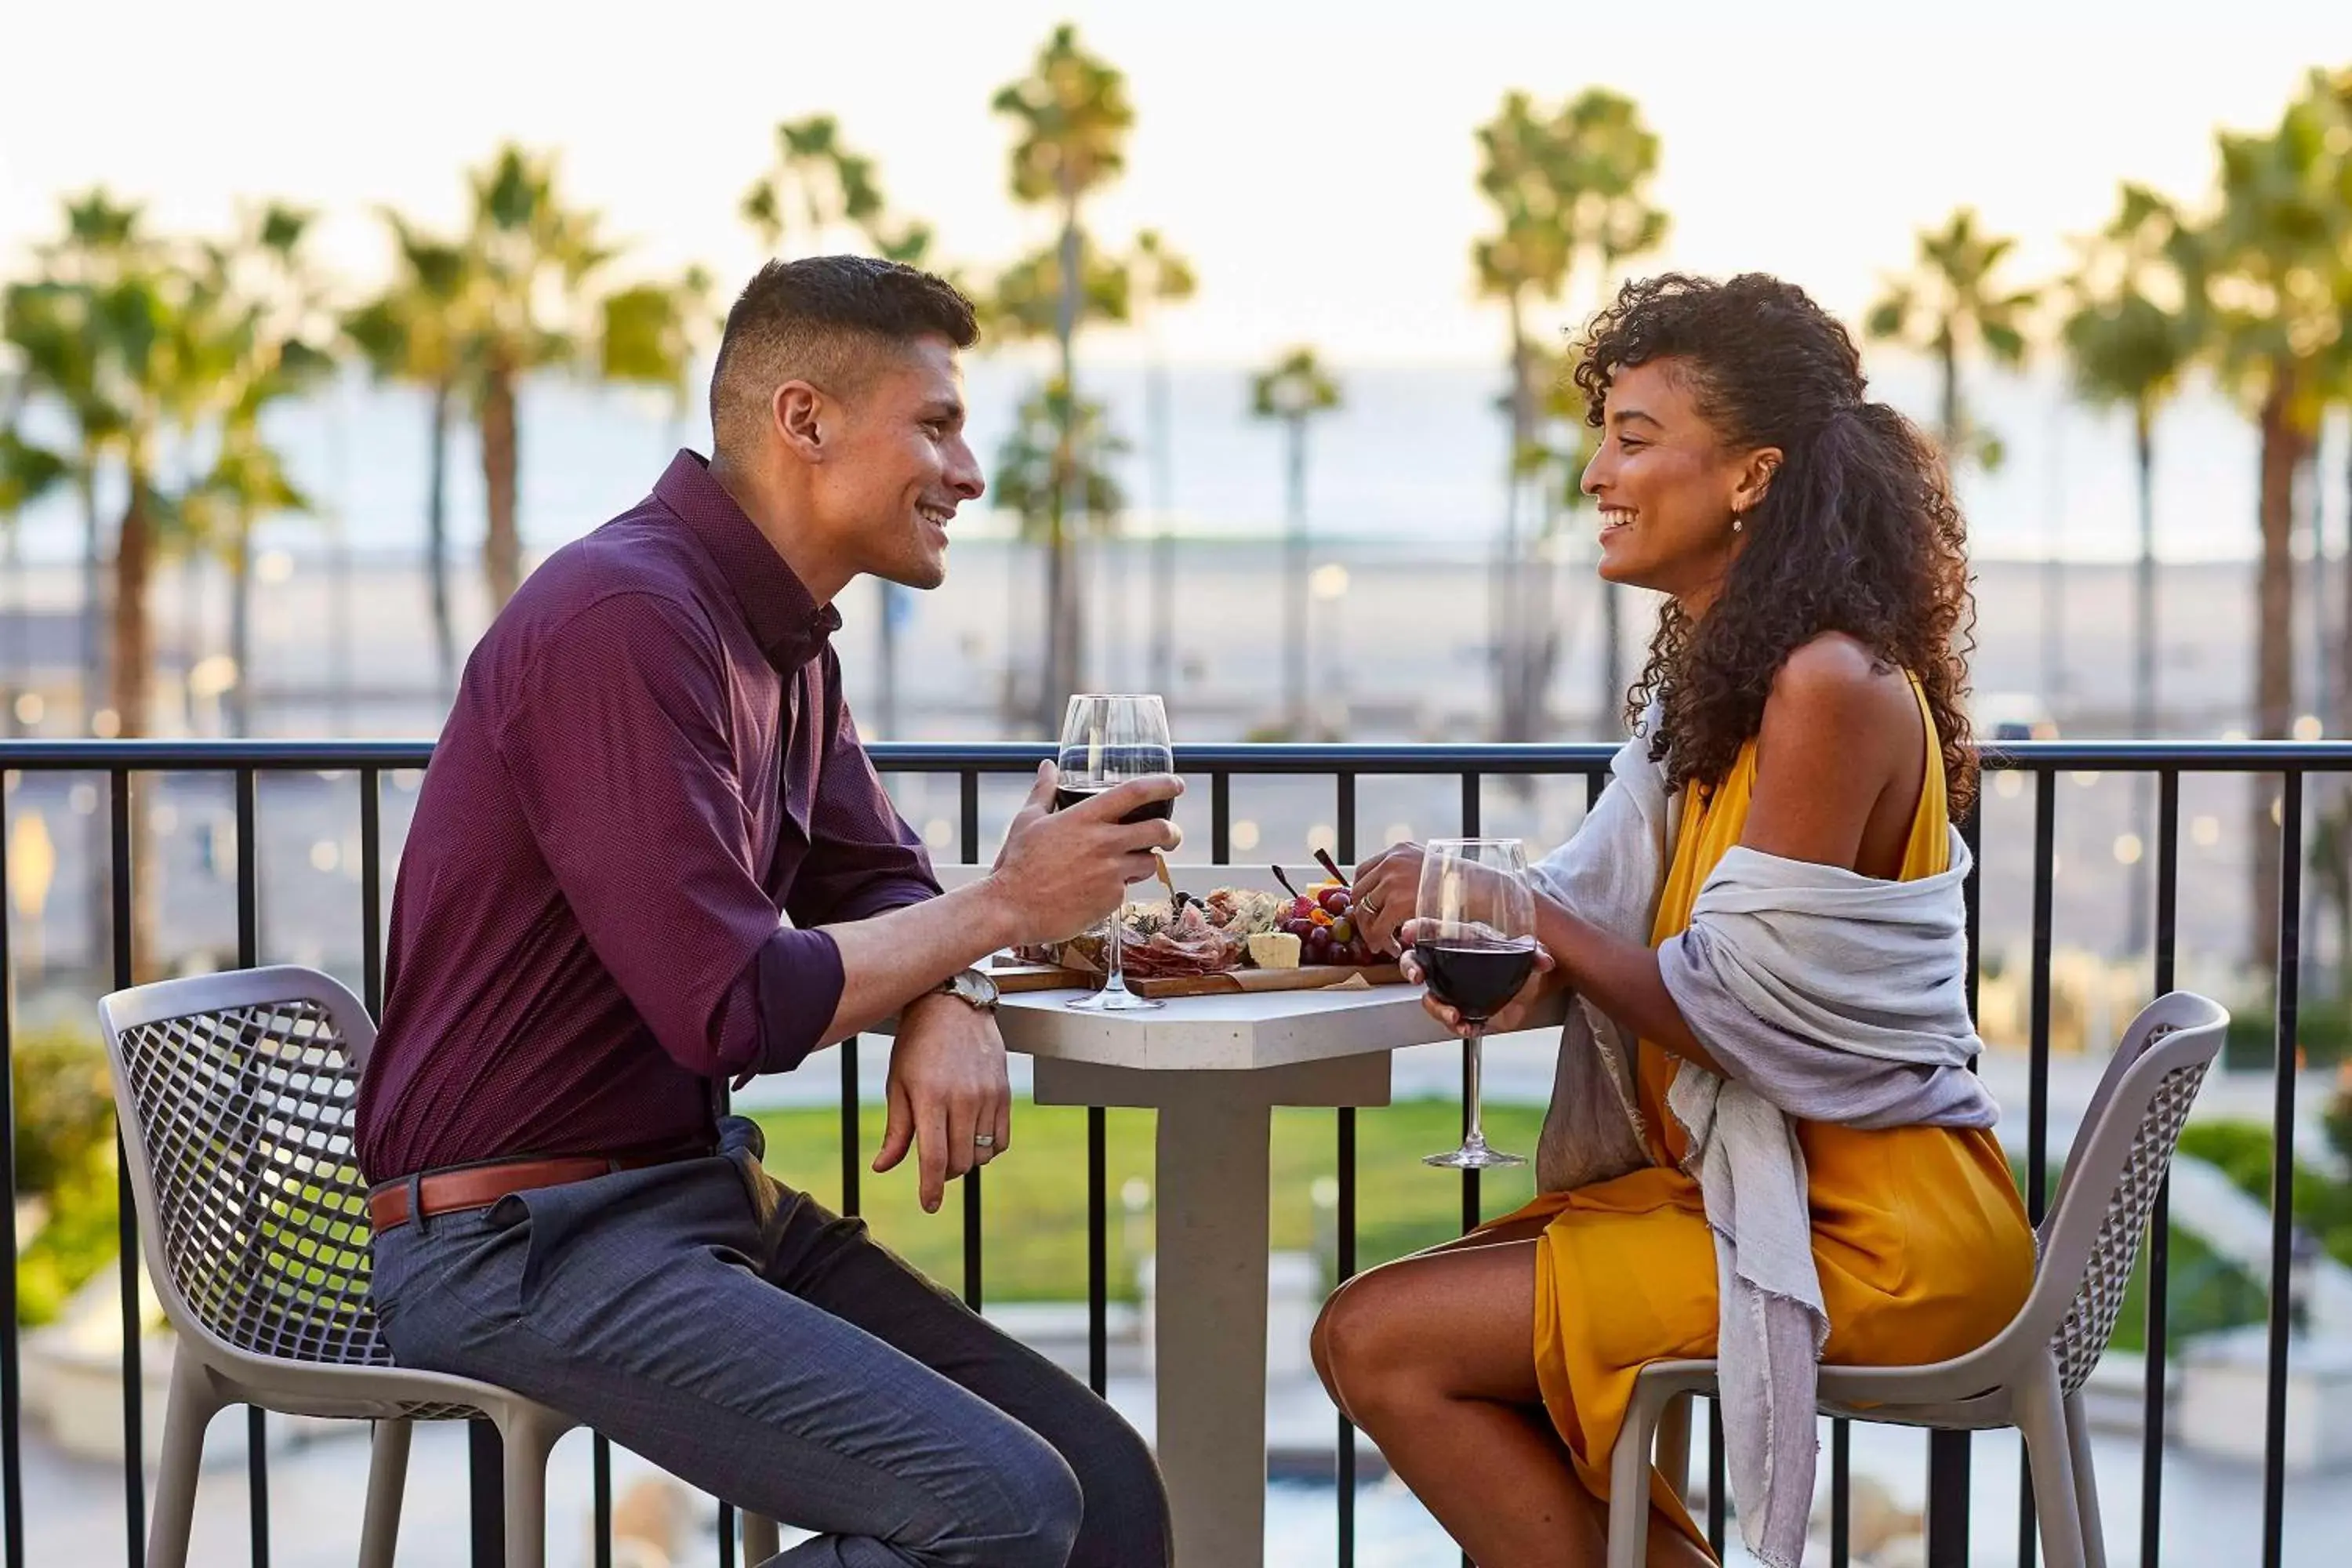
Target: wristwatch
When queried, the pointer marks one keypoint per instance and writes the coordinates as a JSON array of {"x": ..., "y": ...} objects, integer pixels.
[{"x": 973, "y": 986}]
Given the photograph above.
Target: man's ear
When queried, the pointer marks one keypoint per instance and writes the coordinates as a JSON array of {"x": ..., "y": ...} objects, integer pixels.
[
  {"x": 1755, "y": 478},
  {"x": 801, "y": 416}
]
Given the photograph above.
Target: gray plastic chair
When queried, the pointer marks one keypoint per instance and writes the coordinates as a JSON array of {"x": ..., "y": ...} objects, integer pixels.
[
  {"x": 2030, "y": 1375},
  {"x": 235, "y": 1094}
]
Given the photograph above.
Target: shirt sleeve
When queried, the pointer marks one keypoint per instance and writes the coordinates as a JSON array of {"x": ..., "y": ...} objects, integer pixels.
[
  {"x": 862, "y": 858},
  {"x": 616, "y": 742}
]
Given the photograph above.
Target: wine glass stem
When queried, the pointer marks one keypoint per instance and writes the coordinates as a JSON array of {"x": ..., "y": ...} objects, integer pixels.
[
  {"x": 1471, "y": 1065},
  {"x": 1116, "y": 976}
]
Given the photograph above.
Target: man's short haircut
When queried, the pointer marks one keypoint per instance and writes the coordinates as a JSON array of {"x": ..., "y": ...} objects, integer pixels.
[{"x": 823, "y": 320}]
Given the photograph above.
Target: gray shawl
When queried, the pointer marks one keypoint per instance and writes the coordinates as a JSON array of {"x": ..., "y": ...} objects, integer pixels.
[{"x": 1827, "y": 997}]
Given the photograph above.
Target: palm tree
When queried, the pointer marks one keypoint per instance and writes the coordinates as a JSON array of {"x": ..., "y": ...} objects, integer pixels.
[
  {"x": 1952, "y": 306},
  {"x": 61, "y": 326},
  {"x": 526, "y": 251},
  {"x": 2271, "y": 259},
  {"x": 1055, "y": 469},
  {"x": 1071, "y": 117},
  {"x": 1611, "y": 157},
  {"x": 410, "y": 333},
  {"x": 1293, "y": 390},
  {"x": 107, "y": 332},
  {"x": 27, "y": 472},
  {"x": 816, "y": 185},
  {"x": 1159, "y": 277},
  {"x": 650, "y": 334},
  {"x": 1567, "y": 186},
  {"x": 1523, "y": 175},
  {"x": 260, "y": 334},
  {"x": 2132, "y": 335},
  {"x": 2331, "y": 95}
]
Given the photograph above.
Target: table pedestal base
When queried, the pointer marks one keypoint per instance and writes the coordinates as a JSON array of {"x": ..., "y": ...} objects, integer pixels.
[{"x": 1213, "y": 1243}]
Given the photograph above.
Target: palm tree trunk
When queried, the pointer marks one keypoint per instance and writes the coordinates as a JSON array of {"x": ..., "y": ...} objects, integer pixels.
[
  {"x": 1612, "y": 657},
  {"x": 2344, "y": 632},
  {"x": 134, "y": 566},
  {"x": 1164, "y": 541},
  {"x": 2274, "y": 647},
  {"x": 240, "y": 628},
  {"x": 1948, "y": 356},
  {"x": 886, "y": 633},
  {"x": 1294, "y": 584},
  {"x": 1064, "y": 623},
  {"x": 19, "y": 658},
  {"x": 1506, "y": 597},
  {"x": 133, "y": 653},
  {"x": 503, "y": 545},
  {"x": 2143, "y": 660},
  {"x": 436, "y": 542},
  {"x": 93, "y": 587}
]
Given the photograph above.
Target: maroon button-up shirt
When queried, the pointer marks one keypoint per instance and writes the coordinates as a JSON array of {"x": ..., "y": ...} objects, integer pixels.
[{"x": 647, "y": 796}]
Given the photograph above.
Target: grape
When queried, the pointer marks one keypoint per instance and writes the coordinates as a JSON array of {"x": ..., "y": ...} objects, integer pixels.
[
  {"x": 1343, "y": 931},
  {"x": 1318, "y": 946},
  {"x": 1336, "y": 901},
  {"x": 1301, "y": 907}
]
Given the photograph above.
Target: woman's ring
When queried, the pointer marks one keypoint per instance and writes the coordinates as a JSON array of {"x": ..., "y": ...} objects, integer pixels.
[{"x": 1372, "y": 909}]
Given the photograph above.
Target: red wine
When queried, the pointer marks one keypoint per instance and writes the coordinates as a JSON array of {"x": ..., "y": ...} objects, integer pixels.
[
  {"x": 1474, "y": 980},
  {"x": 1065, "y": 797}
]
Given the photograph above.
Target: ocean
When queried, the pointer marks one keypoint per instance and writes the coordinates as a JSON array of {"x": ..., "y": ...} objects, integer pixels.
[{"x": 1412, "y": 454}]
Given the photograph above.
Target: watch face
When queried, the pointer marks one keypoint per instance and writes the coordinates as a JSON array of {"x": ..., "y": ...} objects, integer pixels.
[{"x": 974, "y": 987}]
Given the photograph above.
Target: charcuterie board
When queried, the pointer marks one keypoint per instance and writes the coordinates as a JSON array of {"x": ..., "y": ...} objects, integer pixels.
[{"x": 1012, "y": 976}]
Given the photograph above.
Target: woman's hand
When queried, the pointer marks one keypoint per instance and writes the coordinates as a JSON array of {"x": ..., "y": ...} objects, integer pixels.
[
  {"x": 1513, "y": 1014},
  {"x": 1383, "y": 893}
]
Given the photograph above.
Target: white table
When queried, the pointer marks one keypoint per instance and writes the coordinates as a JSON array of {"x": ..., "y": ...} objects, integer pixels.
[{"x": 1214, "y": 1068}]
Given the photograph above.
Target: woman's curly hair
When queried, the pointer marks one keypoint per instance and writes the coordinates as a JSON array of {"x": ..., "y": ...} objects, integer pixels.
[{"x": 1857, "y": 531}]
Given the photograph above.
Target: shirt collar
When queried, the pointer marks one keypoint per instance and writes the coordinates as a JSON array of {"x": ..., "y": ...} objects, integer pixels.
[{"x": 789, "y": 624}]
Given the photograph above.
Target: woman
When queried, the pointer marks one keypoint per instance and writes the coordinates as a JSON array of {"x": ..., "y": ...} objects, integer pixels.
[{"x": 1802, "y": 709}]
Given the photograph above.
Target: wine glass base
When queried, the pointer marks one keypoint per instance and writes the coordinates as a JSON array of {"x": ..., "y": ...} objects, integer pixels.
[
  {"x": 1119, "y": 1001},
  {"x": 1473, "y": 1157}
]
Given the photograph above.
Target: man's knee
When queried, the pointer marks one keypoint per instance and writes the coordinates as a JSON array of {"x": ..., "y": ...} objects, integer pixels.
[
  {"x": 1040, "y": 1507},
  {"x": 1126, "y": 1523}
]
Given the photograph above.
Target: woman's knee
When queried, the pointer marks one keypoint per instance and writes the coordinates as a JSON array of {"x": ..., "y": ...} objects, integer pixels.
[{"x": 1363, "y": 1349}]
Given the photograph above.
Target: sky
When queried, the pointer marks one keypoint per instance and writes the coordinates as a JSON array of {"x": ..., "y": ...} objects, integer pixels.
[{"x": 1314, "y": 161}]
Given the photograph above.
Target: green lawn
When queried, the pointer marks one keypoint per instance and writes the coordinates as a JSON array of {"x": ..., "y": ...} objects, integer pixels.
[{"x": 1035, "y": 1215}]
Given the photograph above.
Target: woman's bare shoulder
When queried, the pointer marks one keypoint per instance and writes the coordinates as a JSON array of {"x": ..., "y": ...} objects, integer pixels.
[{"x": 1835, "y": 689}]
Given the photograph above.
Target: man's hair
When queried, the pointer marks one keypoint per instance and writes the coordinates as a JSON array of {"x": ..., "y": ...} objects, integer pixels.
[{"x": 823, "y": 320}]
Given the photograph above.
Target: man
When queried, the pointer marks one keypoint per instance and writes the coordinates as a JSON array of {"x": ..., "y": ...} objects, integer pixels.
[{"x": 650, "y": 856}]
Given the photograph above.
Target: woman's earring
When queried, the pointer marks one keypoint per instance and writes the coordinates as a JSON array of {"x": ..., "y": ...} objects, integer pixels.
[{"x": 1737, "y": 522}]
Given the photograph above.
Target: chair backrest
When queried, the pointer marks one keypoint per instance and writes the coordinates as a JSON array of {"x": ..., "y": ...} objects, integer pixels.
[
  {"x": 235, "y": 1095},
  {"x": 2091, "y": 1237}
]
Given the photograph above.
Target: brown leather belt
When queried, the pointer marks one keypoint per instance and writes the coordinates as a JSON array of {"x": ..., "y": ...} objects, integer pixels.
[{"x": 478, "y": 1186}]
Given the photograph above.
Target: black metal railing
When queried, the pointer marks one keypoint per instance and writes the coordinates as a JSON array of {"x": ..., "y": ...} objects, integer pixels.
[{"x": 125, "y": 764}]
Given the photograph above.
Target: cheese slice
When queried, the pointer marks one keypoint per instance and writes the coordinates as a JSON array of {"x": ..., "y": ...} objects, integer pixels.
[{"x": 1274, "y": 950}]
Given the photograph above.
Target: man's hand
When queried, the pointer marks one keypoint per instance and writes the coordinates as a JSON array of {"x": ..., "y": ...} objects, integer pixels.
[
  {"x": 947, "y": 1089},
  {"x": 1061, "y": 872}
]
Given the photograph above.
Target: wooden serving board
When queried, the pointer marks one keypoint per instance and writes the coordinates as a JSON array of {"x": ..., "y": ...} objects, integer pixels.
[{"x": 1016, "y": 977}]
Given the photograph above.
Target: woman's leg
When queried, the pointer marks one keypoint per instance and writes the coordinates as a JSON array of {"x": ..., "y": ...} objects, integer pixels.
[
  {"x": 1317, "y": 1344},
  {"x": 1433, "y": 1356}
]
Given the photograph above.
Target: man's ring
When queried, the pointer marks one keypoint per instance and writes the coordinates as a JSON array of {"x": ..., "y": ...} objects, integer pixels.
[{"x": 984, "y": 1140}]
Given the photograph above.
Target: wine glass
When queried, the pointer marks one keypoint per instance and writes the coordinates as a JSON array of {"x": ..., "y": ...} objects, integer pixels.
[
  {"x": 1474, "y": 939},
  {"x": 1105, "y": 740}
]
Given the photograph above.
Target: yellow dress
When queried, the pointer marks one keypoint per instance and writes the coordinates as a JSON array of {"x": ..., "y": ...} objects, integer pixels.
[{"x": 1923, "y": 1245}]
